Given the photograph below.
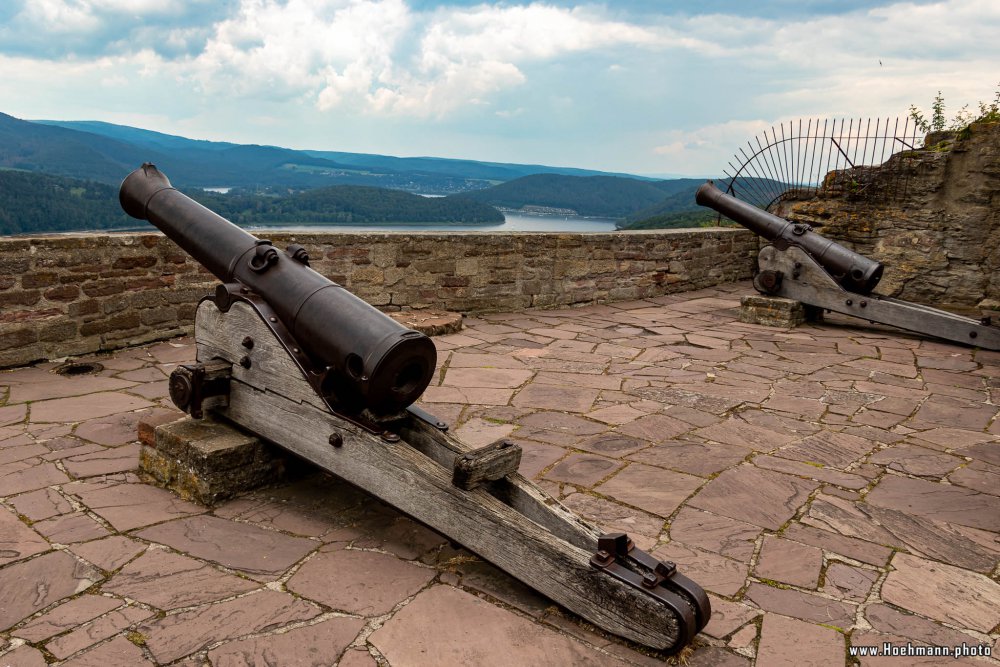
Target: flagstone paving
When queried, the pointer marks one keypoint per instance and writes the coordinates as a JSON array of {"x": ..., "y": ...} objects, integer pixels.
[{"x": 832, "y": 486}]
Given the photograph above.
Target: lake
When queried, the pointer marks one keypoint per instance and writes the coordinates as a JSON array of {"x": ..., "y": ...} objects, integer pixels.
[{"x": 514, "y": 222}]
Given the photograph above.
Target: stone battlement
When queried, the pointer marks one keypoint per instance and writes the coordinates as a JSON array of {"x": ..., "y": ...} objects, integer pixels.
[{"x": 75, "y": 294}]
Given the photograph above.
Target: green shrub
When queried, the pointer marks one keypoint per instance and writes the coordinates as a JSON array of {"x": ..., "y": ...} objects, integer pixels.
[{"x": 988, "y": 112}]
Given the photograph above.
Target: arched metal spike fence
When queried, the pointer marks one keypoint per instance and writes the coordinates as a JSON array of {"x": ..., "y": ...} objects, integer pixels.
[{"x": 799, "y": 158}]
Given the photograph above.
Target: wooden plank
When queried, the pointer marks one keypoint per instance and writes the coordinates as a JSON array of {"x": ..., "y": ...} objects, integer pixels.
[
  {"x": 486, "y": 464},
  {"x": 418, "y": 486},
  {"x": 220, "y": 336},
  {"x": 519, "y": 493}
]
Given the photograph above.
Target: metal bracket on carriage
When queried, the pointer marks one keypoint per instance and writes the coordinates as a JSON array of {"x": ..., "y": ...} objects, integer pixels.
[{"x": 660, "y": 579}]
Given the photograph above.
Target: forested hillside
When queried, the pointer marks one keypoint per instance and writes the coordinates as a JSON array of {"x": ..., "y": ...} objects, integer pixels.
[
  {"x": 269, "y": 184},
  {"x": 676, "y": 220},
  {"x": 33, "y": 203},
  {"x": 674, "y": 211},
  {"x": 680, "y": 210},
  {"x": 346, "y": 204},
  {"x": 43, "y": 203}
]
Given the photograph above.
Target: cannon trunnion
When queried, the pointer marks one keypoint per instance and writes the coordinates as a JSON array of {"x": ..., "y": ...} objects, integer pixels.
[
  {"x": 299, "y": 361},
  {"x": 804, "y": 266}
]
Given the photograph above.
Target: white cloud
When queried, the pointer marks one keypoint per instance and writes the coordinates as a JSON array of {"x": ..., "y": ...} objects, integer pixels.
[
  {"x": 595, "y": 84},
  {"x": 379, "y": 56},
  {"x": 59, "y": 16},
  {"x": 59, "y": 29},
  {"x": 698, "y": 151},
  {"x": 520, "y": 33}
]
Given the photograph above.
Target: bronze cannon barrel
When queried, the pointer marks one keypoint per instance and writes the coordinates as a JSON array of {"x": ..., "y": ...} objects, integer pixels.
[
  {"x": 374, "y": 362},
  {"x": 854, "y": 272}
]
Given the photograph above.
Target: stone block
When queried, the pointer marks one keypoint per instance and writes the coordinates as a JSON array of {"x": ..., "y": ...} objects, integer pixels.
[
  {"x": 467, "y": 266},
  {"x": 383, "y": 255},
  {"x": 62, "y": 293},
  {"x": 13, "y": 316},
  {"x": 119, "y": 322},
  {"x": 147, "y": 283},
  {"x": 43, "y": 279},
  {"x": 147, "y": 425},
  {"x": 125, "y": 337},
  {"x": 543, "y": 300},
  {"x": 13, "y": 265},
  {"x": 454, "y": 281},
  {"x": 59, "y": 331},
  {"x": 115, "y": 304},
  {"x": 13, "y": 338},
  {"x": 367, "y": 274},
  {"x": 147, "y": 298},
  {"x": 531, "y": 287},
  {"x": 186, "y": 295},
  {"x": 153, "y": 316},
  {"x": 772, "y": 311},
  {"x": 208, "y": 461},
  {"x": 186, "y": 312},
  {"x": 126, "y": 263},
  {"x": 19, "y": 356},
  {"x": 104, "y": 287},
  {"x": 85, "y": 307},
  {"x": 22, "y": 298}
]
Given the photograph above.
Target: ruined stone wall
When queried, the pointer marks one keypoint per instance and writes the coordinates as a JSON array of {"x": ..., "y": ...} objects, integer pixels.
[
  {"x": 70, "y": 295},
  {"x": 932, "y": 216}
]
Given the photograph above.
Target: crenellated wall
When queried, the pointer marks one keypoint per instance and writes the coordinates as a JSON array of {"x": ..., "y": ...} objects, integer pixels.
[{"x": 66, "y": 295}]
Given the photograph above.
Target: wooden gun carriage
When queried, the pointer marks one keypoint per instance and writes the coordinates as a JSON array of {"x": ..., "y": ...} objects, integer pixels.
[{"x": 298, "y": 360}]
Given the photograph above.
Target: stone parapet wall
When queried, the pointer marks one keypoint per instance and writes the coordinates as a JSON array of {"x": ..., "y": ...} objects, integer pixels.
[{"x": 74, "y": 294}]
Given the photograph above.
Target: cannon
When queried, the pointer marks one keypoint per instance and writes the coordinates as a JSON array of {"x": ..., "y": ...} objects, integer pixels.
[
  {"x": 366, "y": 362},
  {"x": 802, "y": 265},
  {"x": 296, "y": 359}
]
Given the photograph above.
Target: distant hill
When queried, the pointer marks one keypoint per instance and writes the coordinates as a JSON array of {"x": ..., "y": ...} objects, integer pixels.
[
  {"x": 33, "y": 203},
  {"x": 487, "y": 171},
  {"x": 158, "y": 141},
  {"x": 197, "y": 163},
  {"x": 57, "y": 150},
  {"x": 676, "y": 202},
  {"x": 82, "y": 154},
  {"x": 266, "y": 180},
  {"x": 604, "y": 196}
]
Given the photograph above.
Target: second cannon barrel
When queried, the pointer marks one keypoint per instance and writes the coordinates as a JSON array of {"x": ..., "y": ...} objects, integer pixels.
[{"x": 854, "y": 272}]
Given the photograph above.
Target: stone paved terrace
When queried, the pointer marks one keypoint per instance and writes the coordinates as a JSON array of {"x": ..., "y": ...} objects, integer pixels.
[{"x": 831, "y": 486}]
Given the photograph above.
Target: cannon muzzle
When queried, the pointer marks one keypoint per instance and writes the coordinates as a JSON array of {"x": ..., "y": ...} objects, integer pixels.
[
  {"x": 373, "y": 361},
  {"x": 854, "y": 272}
]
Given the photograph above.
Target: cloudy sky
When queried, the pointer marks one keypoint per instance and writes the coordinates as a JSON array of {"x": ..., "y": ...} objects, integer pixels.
[{"x": 643, "y": 86}]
